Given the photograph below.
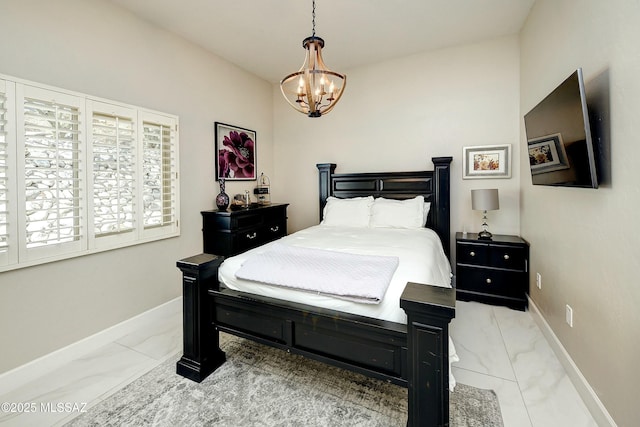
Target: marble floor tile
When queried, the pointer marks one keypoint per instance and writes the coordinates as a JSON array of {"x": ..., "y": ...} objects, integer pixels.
[
  {"x": 159, "y": 337},
  {"x": 514, "y": 411},
  {"x": 478, "y": 341},
  {"x": 546, "y": 388},
  {"x": 81, "y": 383}
]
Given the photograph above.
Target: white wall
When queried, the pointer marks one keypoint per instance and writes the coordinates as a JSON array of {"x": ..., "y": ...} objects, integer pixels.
[
  {"x": 95, "y": 47},
  {"x": 396, "y": 115},
  {"x": 583, "y": 241}
]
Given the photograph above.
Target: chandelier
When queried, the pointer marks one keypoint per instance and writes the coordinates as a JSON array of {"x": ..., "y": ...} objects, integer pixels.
[{"x": 313, "y": 90}]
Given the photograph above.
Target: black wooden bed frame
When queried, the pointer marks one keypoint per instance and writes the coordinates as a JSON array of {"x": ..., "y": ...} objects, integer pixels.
[{"x": 414, "y": 355}]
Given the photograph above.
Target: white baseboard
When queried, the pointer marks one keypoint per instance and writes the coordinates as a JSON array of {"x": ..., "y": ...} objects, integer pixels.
[
  {"x": 16, "y": 377},
  {"x": 588, "y": 395}
]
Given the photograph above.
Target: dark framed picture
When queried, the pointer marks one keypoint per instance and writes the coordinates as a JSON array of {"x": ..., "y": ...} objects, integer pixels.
[
  {"x": 547, "y": 154},
  {"x": 235, "y": 153},
  {"x": 487, "y": 161}
]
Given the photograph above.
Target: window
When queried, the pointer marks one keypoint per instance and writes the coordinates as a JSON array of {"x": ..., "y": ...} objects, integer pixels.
[
  {"x": 113, "y": 154},
  {"x": 50, "y": 177},
  {"x": 159, "y": 193},
  {"x": 91, "y": 175}
]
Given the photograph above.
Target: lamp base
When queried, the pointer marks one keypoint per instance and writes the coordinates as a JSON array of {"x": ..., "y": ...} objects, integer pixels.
[{"x": 484, "y": 235}]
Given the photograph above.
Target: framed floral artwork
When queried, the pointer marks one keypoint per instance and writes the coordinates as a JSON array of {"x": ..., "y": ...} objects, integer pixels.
[
  {"x": 235, "y": 153},
  {"x": 487, "y": 161}
]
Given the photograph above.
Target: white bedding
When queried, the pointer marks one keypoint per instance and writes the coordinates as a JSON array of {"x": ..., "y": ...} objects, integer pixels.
[{"x": 422, "y": 260}]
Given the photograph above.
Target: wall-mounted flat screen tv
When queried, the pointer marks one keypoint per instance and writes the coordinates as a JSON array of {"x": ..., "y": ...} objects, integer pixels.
[{"x": 559, "y": 142}]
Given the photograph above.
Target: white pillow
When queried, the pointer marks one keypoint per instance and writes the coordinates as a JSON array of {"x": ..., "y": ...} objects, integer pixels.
[
  {"x": 354, "y": 212},
  {"x": 425, "y": 212},
  {"x": 408, "y": 213}
]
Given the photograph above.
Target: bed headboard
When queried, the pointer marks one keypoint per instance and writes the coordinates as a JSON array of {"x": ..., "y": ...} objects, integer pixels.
[{"x": 434, "y": 185}]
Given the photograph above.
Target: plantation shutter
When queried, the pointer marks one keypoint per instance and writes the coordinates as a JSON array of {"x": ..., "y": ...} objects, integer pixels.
[
  {"x": 4, "y": 170},
  {"x": 113, "y": 154},
  {"x": 8, "y": 224},
  {"x": 159, "y": 190},
  {"x": 52, "y": 176}
]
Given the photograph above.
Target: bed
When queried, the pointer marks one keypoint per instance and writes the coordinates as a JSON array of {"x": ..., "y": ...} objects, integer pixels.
[{"x": 412, "y": 353}]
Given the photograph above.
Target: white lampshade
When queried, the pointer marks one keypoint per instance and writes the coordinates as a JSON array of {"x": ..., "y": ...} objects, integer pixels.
[{"x": 485, "y": 200}]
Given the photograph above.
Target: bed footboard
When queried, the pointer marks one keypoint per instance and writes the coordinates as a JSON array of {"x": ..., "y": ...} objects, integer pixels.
[
  {"x": 429, "y": 311},
  {"x": 413, "y": 355},
  {"x": 201, "y": 345}
]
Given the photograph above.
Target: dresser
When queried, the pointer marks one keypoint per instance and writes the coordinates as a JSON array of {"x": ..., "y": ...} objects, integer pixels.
[
  {"x": 492, "y": 271},
  {"x": 234, "y": 231}
]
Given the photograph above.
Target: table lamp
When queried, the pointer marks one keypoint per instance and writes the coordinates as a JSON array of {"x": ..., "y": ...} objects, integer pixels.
[{"x": 485, "y": 200}]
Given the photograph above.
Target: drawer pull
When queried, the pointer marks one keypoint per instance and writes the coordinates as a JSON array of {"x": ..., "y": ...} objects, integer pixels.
[
  {"x": 252, "y": 236},
  {"x": 506, "y": 256},
  {"x": 274, "y": 229},
  {"x": 472, "y": 253},
  {"x": 488, "y": 281}
]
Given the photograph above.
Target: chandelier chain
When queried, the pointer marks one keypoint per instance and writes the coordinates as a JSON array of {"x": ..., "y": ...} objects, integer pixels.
[{"x": 313, "y": 19}]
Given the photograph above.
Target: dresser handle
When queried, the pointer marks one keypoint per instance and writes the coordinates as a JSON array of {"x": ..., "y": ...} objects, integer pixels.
[
  {"x": 276, "y": 228},
  {"x": 252, "y": 236},
  {"x": 472, "y": 253},
  {"x": 506, "y": 256},
  {"x": 488, "y": 281}
]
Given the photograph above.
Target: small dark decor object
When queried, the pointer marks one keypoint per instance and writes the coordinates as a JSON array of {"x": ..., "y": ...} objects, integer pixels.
[{"x": 222, "y": 199}]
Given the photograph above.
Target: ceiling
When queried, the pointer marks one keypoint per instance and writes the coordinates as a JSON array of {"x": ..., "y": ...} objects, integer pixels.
[{"x": 265, "y": 36}]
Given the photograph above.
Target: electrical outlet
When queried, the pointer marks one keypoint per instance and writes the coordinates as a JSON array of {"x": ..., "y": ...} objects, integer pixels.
[
  {"x": 569, "y": 315},
  {"x": 539, "y": 280}
]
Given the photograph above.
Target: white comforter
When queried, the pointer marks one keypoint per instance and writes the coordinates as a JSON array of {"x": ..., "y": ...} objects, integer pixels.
[{"x": 422, "y": 260}]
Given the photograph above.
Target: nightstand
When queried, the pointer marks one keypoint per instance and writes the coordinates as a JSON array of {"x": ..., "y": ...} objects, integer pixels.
[
  {"x": 492, "y": 271},
  {"x": 233, "y": 231}
]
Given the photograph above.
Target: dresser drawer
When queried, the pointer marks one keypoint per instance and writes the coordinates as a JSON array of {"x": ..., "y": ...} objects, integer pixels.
[
  {"x": 275, "y": 229},
  {"x": 247, "y": 239},
  {"x": 488, "y": 281},
  {"x": 247, "y": 221},
  {"x": 231, "y": 232}
]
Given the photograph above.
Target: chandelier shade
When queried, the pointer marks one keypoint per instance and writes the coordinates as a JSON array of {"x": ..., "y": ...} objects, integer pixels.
[{"x": 314, "y": 89}]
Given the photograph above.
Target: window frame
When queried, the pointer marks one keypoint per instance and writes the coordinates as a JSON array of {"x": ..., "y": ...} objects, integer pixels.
[{"x": 18, "y": 255}]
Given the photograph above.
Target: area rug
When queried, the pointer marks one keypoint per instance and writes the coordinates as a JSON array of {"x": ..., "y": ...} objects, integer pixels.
[{"x": 262, "y": 386}]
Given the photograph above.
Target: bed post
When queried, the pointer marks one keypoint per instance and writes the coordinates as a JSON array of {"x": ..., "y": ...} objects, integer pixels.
[
  {"x": 326, "y": 170},
  {"x": 201, "y": 342},
  {"x": 429, "y": 310},
  {"x": 441, "y": 219}
]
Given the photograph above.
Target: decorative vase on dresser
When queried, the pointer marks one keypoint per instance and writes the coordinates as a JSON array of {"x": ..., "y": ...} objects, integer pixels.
[{"x": 222, "y": 199}]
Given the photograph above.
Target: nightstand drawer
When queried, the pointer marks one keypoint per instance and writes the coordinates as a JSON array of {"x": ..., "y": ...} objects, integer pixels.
[
  {"x": 472, "y": 253},
  {"x": 508, "y": 257},
  {"x": 488, "y": 281}
]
